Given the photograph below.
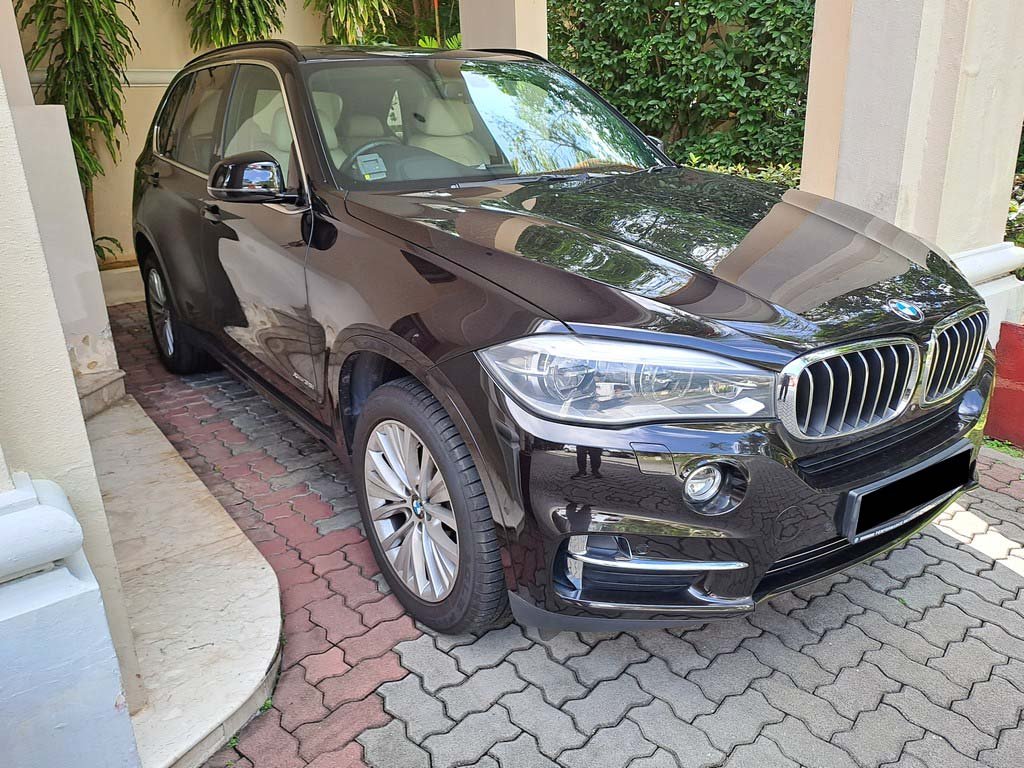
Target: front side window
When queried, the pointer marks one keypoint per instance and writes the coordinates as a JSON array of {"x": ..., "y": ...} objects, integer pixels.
[
  {"x": 197, "y": 121},
  {"x": 257, "y": 119},
  {"x": 415, "y": 121}
]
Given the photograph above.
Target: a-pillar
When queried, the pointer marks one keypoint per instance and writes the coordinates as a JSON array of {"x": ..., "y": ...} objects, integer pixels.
[
  {"x": 914, "y": 113},
  {"x": 516, "y": 24}
]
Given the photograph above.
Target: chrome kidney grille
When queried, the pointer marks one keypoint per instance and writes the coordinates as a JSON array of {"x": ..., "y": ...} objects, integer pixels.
[
  {"x": 845, "y": 389},
  {"x": 955, "y": 353}
]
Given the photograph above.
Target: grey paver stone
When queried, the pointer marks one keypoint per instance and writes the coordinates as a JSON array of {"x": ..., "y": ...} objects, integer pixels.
[
  {"x": 447, "y": 642},
  {"x": 935, "y": 752},
  {"x": 763, "y": 753},
  {"x": 904, "y": 563},
  {"x": 686, "y": 699},
  {"x": 738, "y": 720},
  {"x": 423, "y": 714},
  {"x": 729, "y": 674},
  {"x": 486, "y": 762},
  {"x": 607, "y": 660},
  {"x": 614, "y": 747},
  {"x": 479, "y": 691},
  {"x": 606, "y": 703},
  {"x": 1008, "y": 753},
  {"x": 553, "y": 728},
  {"x": 826, "y": 612},
  {"x": 924, "y": 591},
  {"x": 873, "y": 576},
  {"x": 858, "y": 689},
  {"x": 660, "y": 759},
  {"x": 470, "y": 738},
  {"x": 678, "y": 652},
  {"x": 689, "y": 744},
  {"x": 521, "y": 752},
  {"x": 841, "y": 648},
  {"x": 997, "y": 639},
  {"x": 815, "y": 712},
  {"x": 555, "y": 680},
  {"x": 820, "y": 587},
  {"x": 947, "y": 551},
  {"x": 955, "y": 728},
  {"x": 935, "y": 685},
  {"x": 388, "y": 746},
  {"x": 490, "y": 649},
  {"x": 560, "y": 647},
  {"x": 893, "y": 610},
  {"x": 987, "y": 589},
  {"x": 1013, "y": 671},
  {"x": 790, "y": 631},
  {"x": 787, "y": 602},
  {"x": 878, "y": 736},
  {"x": 721, "y": 636},
  {"x": 979, "y": 608},
  {"x": 968, "y": 662},
  {"x": 993, "y": 705},
  {"x": 436, "y": 669},
  {"x": 943, "y": 625},
  {"x": 875, "y": 626},
  {"x": 801, "y": 668},
  {"x": 799, "y": 744}
]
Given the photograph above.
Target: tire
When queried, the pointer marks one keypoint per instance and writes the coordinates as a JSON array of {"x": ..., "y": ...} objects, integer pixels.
[
  {"x": 177, "y": 352},
  {"x": 475, "y": 597}
]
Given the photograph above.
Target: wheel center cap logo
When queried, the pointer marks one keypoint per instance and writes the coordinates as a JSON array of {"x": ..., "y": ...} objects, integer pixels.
[
  {"x": 905, "y": 309},
  {"x": 417, "y": 508}
]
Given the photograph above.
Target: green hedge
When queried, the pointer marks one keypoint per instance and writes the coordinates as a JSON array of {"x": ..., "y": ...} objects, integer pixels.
[{"x": 724, "y": 80}]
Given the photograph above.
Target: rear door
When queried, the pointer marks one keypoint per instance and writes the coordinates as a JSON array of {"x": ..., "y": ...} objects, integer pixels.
[
  {"x": 186, "y": 142},
  {"x": 254, "y": 254}
]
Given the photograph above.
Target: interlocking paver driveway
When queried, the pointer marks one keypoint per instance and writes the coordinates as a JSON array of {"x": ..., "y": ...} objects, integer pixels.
[{"x": 914, "y": 660}]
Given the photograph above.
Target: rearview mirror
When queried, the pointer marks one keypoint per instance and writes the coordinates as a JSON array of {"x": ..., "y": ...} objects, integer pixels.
[{"x": 249, "y": 177}]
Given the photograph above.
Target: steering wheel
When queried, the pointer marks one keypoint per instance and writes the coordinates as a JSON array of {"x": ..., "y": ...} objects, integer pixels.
[{"x": 373, "y": 144}]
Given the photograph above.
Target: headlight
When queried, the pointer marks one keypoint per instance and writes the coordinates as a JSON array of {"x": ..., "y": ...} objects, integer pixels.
[{"x": 599, "y": 381}]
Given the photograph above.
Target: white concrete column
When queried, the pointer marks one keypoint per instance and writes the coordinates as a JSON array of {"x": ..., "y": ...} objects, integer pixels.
[
  {"x": 914, "y": 114},
  {"x": 6, "y": 483},
  {"x": 41, "y": 422},
  {"x": 519, "y": 24}
]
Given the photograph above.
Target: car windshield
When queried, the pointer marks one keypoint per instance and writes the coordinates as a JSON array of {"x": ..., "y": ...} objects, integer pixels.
[{"x": 423, "y": 122}]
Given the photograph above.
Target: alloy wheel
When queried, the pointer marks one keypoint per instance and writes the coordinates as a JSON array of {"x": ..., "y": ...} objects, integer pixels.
[
  {"x": 411, "y": 511},
  {"x": 160, "y": 312}
]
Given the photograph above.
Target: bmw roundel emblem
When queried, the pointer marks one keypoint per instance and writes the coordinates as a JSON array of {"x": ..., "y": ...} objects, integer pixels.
[{"x": 906, "y": 310}]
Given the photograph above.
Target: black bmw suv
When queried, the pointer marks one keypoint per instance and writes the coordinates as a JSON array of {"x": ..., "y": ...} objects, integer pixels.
[{"x": 572, "y": 378}]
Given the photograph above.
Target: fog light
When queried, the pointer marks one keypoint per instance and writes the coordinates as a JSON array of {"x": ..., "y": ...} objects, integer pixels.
[{"x": 702, "y": 483}]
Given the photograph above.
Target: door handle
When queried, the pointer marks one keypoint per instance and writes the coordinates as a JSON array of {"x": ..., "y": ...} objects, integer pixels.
[{"x": 211, "y": 212}]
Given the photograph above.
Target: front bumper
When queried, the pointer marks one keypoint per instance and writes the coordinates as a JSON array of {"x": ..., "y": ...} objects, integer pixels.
[{"x": 621, "y": 546}]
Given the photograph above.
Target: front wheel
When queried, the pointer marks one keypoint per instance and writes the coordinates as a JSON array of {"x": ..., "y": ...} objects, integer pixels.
[{"x": 425, "y": 511}]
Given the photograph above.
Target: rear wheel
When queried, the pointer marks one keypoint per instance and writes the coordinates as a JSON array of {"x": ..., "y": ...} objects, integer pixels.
[
  {"x": 425, "y": 511},
  {"x": 177, "y": 352}
]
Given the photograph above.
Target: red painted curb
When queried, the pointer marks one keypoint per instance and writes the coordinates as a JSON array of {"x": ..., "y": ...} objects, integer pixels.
[{"x": 1006, "y": 414}]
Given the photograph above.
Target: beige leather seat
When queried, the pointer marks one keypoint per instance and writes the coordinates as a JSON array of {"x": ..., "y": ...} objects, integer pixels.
[
  {"x": 357, "y": 130},
  {"x": 328, "y": 111},
  {"x": 446, "y": 128},
  {"x": 277, "y": 142}
]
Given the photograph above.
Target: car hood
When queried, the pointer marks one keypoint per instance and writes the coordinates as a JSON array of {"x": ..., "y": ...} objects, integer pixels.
[{"x": 681, "y": 251}]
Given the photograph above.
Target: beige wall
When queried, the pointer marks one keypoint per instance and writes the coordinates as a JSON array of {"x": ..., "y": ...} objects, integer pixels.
[
  {"x": 520, "y": 24},
  {"x": 163, "y": 35},
  {"x": 41, "y": 423}
]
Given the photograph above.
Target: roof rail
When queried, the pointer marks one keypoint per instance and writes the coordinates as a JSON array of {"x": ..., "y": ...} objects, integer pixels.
[
  {"x": 292, "y": 48},
  {"x": 513, "y": 51}
]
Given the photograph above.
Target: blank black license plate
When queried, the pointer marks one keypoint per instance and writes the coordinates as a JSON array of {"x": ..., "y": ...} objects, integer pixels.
[{"x": 889, "y": 503}]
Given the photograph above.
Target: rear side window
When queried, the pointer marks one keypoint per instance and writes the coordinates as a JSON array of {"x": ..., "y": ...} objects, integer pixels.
[
  {"x": 197, "y": 120},
  {"x": 165, "y": 123}
]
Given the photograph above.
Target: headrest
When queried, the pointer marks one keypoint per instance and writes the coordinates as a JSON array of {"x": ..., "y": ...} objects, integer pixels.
[
  {"x": 438, "y": 117},
  {"x": 281, "y": 131},
  {"x": 328, "y": 111},
  {"x": 363, "y": 126}
]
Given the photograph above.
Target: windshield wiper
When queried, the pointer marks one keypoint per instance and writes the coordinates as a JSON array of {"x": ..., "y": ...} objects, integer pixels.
[{"x": 539, "y": 177}]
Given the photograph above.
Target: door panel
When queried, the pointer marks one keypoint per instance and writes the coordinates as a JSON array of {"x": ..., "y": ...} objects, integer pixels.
[{"x": 254, "y": 255}]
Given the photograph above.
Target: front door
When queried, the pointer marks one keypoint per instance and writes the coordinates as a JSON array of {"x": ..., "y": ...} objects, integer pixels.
[{"x": 254, "y": 254}]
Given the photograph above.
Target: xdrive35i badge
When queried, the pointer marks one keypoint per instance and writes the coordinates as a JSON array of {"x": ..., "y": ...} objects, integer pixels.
[{"x": 905, "y": 309}]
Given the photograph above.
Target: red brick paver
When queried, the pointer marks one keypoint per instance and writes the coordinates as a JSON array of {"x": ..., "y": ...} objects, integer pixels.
[{"x": 277, "y": 482}]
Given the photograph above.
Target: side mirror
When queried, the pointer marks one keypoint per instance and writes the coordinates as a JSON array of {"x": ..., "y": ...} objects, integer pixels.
[{"x": 249, "y": 177}]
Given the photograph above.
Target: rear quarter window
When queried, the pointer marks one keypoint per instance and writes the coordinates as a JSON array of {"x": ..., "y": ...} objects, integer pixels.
[{"x": 165, "y": 122}]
